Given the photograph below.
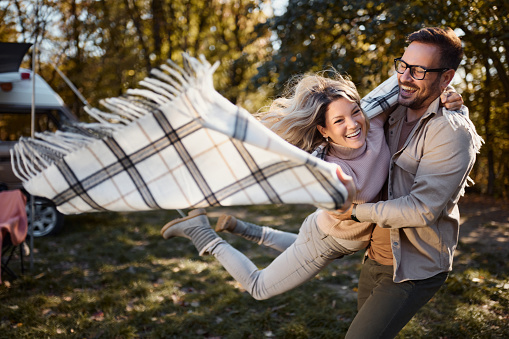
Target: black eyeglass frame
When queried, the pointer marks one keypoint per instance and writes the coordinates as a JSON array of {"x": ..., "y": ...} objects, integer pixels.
[{"x": 411, "y": 67}]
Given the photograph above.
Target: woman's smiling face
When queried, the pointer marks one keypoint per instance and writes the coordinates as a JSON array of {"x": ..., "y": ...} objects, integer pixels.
[{"x": 345, "y": 124}]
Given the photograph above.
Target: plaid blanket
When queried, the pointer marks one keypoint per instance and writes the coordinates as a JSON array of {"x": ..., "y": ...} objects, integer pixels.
[{"x": 177, "y": 144}]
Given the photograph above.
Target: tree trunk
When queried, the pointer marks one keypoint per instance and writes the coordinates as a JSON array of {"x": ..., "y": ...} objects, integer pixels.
[
  {"x": 76, "y": 106},
  {"x": 132, "y": 10},
  {"x": 157, "y": 24},
  {"x": 487, "y": 128}
]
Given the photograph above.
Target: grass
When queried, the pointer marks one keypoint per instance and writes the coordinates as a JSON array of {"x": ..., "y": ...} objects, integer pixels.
[{"x": 111, "y": 275}]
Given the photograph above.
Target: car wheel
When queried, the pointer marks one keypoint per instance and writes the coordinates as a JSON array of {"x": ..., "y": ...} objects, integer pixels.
[{"x": 47, "y": 219}]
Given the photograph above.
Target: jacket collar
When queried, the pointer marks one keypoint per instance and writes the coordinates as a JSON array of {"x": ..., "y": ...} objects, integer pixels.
[{"x": 400, "y": 112}]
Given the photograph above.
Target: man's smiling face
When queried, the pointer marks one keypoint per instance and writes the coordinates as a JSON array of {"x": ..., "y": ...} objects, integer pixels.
[{"x": 417, "y": 95}]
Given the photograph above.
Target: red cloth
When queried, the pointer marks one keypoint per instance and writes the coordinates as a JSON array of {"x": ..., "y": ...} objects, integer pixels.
[{"x": 13, "y": 218}]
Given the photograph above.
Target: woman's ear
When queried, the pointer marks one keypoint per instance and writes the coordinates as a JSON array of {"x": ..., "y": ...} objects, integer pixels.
[{"x": 321, "y": 129}]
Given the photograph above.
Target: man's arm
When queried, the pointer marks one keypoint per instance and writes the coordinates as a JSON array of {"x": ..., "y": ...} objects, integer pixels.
[{"x": 441, "y": 173}]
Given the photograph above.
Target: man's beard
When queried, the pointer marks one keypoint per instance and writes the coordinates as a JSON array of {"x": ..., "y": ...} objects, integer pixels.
[{"x": 421, "y": 100}]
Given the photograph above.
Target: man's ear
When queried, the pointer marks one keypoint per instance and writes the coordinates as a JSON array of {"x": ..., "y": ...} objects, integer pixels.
[{"x": 446, "y": 78}]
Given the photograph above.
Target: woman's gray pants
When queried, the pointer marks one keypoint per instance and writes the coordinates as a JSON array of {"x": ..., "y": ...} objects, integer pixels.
[{"x": 311, "y": 251}]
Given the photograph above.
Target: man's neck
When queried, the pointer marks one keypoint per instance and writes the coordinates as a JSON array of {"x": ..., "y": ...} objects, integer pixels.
[{"x": 412, "y": 114}]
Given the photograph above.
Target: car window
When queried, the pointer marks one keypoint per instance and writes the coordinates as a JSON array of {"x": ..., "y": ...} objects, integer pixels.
[{"x": 15, "y": 125}]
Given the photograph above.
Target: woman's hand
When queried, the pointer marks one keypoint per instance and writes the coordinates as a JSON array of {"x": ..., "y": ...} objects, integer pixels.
[
  {"x": 352, "y": 191},
  {"x": 342, "y": 215},
  {"x": 451, "y": 99}
]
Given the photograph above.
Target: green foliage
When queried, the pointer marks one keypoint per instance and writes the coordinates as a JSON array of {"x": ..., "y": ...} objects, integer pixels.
[
  {"x": 361, "y": 38},
  {"x": 107, "y": 46},
  {"x": 8, "y": 28}
]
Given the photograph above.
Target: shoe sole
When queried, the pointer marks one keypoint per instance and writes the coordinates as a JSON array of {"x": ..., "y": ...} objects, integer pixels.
[
  {"x": 190, "y": 215},
  {"x": 224, "y": 222}
]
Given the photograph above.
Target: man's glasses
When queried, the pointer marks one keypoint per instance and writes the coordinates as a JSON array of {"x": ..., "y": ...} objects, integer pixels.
[{"x": 416, "y": 72}]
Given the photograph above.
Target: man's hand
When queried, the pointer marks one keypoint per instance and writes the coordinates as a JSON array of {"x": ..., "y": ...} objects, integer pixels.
[{"x": 451, "y": 99}]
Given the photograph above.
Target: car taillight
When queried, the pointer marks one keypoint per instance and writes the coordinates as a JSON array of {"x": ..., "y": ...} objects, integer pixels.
[{"x": 25, "y": 76}]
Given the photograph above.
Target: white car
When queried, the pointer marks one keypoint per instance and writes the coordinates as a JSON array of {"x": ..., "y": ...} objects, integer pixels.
[{"x": 51, "y": 113}]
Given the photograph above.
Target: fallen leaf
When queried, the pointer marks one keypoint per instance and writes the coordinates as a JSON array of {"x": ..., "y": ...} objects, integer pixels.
[{"x": 98, "y": 316}]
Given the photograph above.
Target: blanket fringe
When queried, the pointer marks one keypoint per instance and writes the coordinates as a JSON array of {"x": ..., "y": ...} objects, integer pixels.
[
  {"x": 33, "y": 155},
  {"x": 462, "y": 120}
]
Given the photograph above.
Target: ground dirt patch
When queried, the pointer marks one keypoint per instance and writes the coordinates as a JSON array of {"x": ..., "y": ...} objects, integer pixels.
[{"x": 485, "y": 224}]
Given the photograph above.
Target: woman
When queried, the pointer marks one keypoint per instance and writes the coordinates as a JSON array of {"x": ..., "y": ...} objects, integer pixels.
[{"x": 319, "y": 112}]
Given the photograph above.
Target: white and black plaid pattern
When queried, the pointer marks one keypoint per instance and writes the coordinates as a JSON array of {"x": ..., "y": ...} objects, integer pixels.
[
  {"x": 381, "y": 98},
  {"x": 183, "y": 146}
]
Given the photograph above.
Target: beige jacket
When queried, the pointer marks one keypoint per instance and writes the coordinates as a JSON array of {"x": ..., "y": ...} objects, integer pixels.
[{"x": 426, "y": 179}]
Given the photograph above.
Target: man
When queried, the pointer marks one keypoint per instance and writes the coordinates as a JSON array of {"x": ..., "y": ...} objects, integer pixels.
[{"x": 412, "y": 247}]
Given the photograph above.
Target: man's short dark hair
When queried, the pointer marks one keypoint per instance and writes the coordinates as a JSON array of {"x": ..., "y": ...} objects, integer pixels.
[{"x": 447, "y": 42}]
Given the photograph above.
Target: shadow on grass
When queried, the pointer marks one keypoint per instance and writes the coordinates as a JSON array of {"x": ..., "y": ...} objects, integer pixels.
[{"x": 111, "y": 275}]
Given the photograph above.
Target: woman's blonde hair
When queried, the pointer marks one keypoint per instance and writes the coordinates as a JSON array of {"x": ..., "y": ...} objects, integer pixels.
[{"x": 296, "y": 114}]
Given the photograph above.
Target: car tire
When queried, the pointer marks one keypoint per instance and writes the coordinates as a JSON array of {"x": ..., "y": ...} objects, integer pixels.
[{"x": 47, "y": 219}]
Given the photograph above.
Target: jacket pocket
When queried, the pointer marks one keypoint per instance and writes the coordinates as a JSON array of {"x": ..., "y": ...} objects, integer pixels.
[{"x": 407, "y": 162}]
